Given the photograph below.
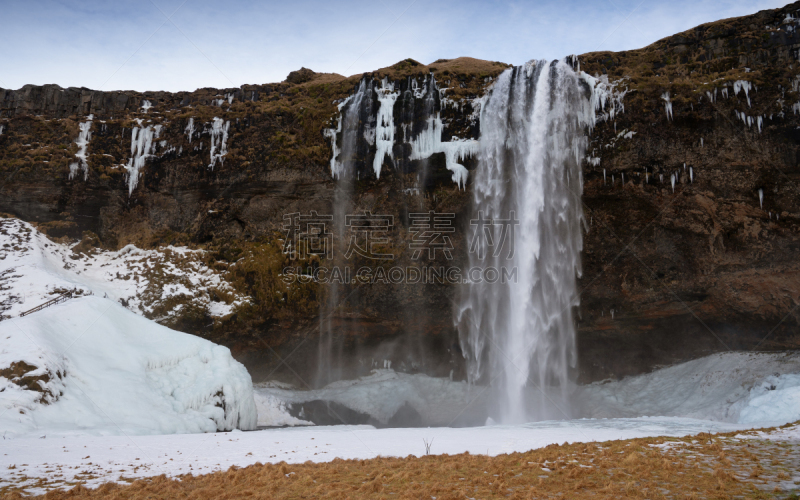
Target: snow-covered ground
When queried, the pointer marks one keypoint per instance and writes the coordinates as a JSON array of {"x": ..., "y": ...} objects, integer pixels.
[
  {"x": 97, "y": 459},
  {"x": 34, "y": 269},
  {"x": 85, "y": 384},
  {"x": 91, "y": 367}
]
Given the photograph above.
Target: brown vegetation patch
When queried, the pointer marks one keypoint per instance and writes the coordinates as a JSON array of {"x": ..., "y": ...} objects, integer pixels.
[{"x": 17, "y": 374}]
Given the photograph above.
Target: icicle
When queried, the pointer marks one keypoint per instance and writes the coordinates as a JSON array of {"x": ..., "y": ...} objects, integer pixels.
[
  {"x": 190, "y": 129},
  {"x": 701, "y": 142},
  {"x": 604, "y": 177},
  {"x": 146, "y": 105},
  {"x": 742, "y": 85},
  {"x": 429, "y": 141},
  {"x": 219, "y": 138},
  {"x": 82, "y": 142},
  {"x": 384, "y": 133},
  {"x": 761, "y": 198},
  {"x": 672, "y": 181},
  {"x": 691, "y": 175},
  {"x": 141, "y": 147},
  {"x": 667, "y": 105},
  {"x": 623, "y": 178}
]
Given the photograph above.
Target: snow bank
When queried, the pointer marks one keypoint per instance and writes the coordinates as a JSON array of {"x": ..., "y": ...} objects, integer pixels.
[
  {"x": 776, "y": 399},
  {"x": 93, "y": 367},
  {"x": 727, "y": 387}
]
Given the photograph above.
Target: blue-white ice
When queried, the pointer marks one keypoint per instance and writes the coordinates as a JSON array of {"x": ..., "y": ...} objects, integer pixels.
[{"x": 84, "y": 136}]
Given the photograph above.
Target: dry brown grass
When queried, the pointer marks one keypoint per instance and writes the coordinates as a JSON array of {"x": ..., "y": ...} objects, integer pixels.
[{"x": 703, "y": 466}]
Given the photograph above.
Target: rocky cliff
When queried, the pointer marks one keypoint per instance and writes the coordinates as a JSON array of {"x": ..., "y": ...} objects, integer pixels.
[{"x": 690, "y": 194}]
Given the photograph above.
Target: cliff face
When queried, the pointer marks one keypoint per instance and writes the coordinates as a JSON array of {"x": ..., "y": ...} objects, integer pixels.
[{"x": 690, "y": 195}]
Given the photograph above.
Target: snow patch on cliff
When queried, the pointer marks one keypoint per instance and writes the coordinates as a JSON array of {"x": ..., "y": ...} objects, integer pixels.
[{"x": 34, "y": 269}]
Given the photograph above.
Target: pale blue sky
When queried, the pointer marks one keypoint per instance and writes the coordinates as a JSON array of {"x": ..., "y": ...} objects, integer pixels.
[{"x": 132, "y": 45}]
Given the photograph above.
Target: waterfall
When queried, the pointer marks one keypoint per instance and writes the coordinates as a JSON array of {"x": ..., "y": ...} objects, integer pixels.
[
  {"x": 354, "y": 127},
  {"x": 519, "y": 336}
]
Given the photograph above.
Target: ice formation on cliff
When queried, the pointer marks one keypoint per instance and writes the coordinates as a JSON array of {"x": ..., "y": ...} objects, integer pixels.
[
  {"x": 141, "y": 148},
  {"x": 219, "y": 139},
  {"x": 82, "y": 142}
]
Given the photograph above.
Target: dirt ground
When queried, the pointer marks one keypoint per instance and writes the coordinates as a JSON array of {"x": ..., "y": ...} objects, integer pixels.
[{"x": 756, "y": 464}]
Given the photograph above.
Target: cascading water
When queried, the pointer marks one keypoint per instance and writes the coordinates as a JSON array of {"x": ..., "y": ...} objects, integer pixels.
[
  {"x": 519, "y": 336},
  {"x": 353, "y": 125}
]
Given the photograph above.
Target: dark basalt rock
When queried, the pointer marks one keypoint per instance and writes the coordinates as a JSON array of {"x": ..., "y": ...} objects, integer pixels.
[
  {"x": 327, "y": 413},
  {"x": 406, "y": 416},
  {"x": 302, "y": 75}
]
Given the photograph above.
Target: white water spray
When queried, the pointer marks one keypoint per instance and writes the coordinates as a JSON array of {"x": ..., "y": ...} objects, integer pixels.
[{"x": 519, "y": 336}]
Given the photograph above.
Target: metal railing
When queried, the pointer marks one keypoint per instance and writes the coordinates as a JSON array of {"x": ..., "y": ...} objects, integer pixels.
[{"x": 57, "y": 300}]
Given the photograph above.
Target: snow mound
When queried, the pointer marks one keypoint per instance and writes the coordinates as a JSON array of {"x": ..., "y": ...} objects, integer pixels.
[
  {"x": 777, "y": 399},
  {"x": 91, "y": 366},
  {"x": 727, "y": 387},
  {"x": 34, "y": 269},
  {"x": 438, "y": 401}
]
